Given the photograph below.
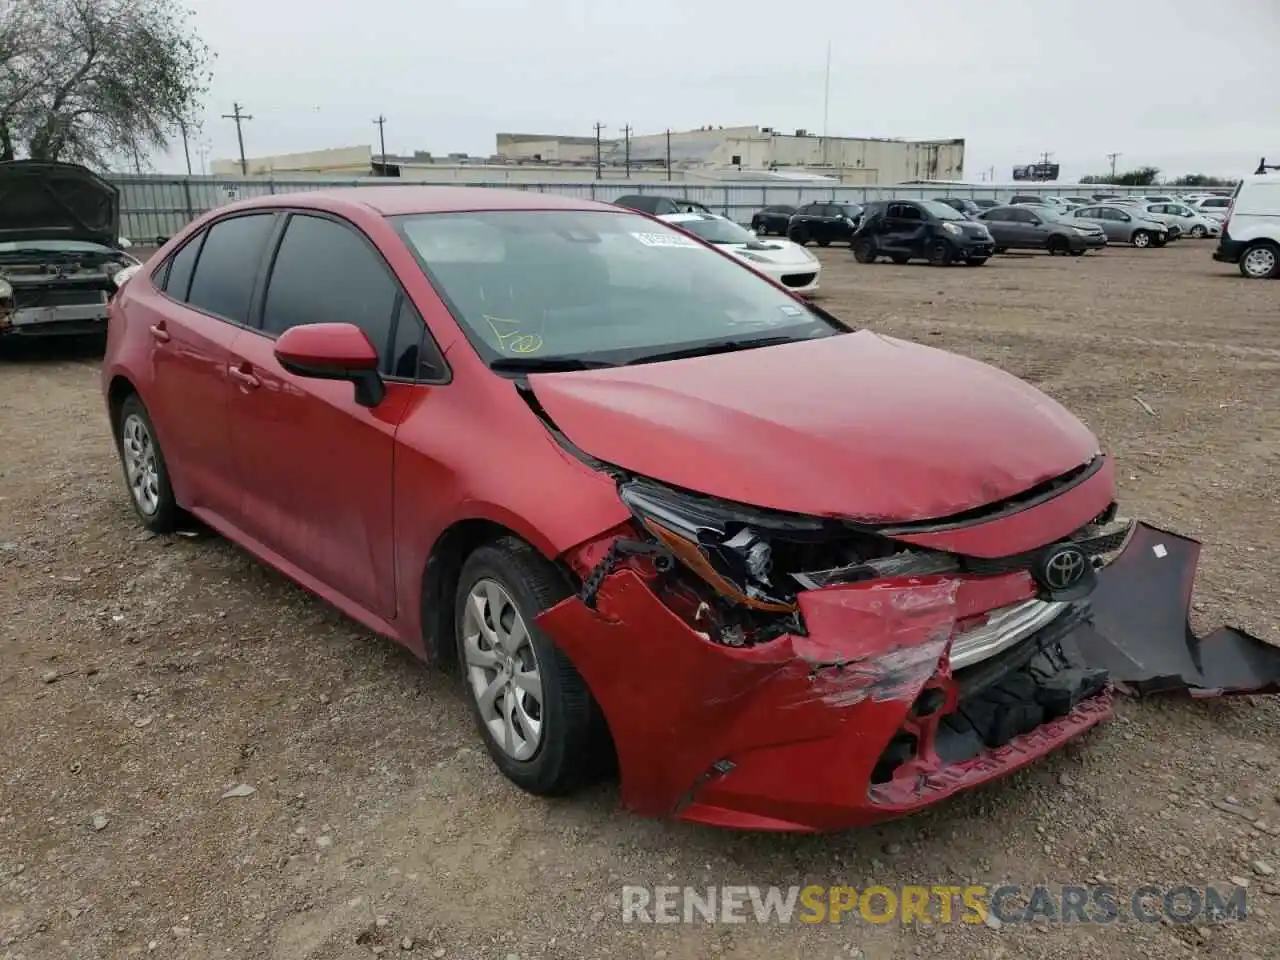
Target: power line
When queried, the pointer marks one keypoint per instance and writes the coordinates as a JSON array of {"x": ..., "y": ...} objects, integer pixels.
[
  {"x": 238, "y": 117},
  {"x": 382, "y": 143}
]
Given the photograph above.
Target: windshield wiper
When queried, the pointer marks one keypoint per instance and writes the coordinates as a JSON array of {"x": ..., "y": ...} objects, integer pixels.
[
  {"x": 546, "y": 364},
  {"x": 720, "y": 346}
]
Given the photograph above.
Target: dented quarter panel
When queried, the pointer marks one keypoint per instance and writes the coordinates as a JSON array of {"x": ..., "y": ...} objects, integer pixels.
[{"x": 887, "y": 430}]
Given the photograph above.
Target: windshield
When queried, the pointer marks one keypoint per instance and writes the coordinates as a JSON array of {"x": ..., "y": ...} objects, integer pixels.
[
  {"x": 547, "y": 286},
  {"x": 942, "y": 211},
  {"x": 53, "y": 246},
  {"x": 716, "y": 231}
]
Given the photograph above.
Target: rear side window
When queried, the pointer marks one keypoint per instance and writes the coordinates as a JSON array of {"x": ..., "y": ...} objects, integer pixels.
[
  {"x": 228, "y": 266},
  {"x": 327, "y": 272},
  {"x": 181, "y": 266}
]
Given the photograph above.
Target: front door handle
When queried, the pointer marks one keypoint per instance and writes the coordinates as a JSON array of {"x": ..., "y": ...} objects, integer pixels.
[
  {"x": 242, "y": 375},
  {"x": 160, "y": 333}
]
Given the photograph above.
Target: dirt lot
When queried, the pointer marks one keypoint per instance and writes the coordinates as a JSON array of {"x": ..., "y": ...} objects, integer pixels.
[{"x": 143, "y": 677}]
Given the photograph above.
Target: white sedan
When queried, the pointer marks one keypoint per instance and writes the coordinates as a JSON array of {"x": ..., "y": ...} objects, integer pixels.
[{"x": 781, "y": 260}]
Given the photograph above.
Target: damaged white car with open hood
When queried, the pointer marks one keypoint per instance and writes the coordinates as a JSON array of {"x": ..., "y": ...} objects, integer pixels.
[
  {"x": 782, "y": 261},
  {"x": 61, "y": 254}
]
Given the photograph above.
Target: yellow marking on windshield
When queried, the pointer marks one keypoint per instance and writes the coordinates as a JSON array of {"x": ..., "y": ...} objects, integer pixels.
[{"x": 511, "y": 338}]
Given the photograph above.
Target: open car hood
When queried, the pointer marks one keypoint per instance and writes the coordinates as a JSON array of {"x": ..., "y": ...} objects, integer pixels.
[
  {"x": 857, "y": 425},
  {"x": 57, "y": 201}
]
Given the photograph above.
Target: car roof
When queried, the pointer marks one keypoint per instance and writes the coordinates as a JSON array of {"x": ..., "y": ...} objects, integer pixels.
[
  {"x": 688, "y": 217},
  {"x": 399, "y": 200}
]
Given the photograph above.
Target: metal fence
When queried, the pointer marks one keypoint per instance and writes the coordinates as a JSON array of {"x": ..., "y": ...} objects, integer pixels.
[{"x": 155, "y": 207}]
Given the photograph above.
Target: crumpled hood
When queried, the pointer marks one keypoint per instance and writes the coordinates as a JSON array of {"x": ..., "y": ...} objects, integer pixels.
[
  {"x": 42, "y": 200},
  {"x": 857, "y": 425},
  {"x": 781, "y": 252}
]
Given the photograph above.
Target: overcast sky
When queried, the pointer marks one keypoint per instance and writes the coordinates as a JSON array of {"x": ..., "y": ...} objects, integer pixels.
[{"x": 1181, "y": 85}]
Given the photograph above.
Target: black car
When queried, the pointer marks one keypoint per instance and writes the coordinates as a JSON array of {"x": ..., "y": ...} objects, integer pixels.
[
  {"x": 658, "y": 205},
  {"x": 773, "y": 219},
  {"x": 1025, "y": 227},
  {"x": 61, "y": 256},
  {"x": 828, "y": 222},
  {"x": 903, "y": 230},
  {"x": 963, "y": 205}
]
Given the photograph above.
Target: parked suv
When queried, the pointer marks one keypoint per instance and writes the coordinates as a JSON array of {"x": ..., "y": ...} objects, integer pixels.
[
  {"x": 826, "y": 223},
  {"x": 921, "y": 229},
  {"x": 1251, "y": 230}
]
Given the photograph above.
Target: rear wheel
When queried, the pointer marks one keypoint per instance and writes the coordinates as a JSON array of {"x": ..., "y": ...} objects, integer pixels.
[
  {"x": 864, "y": 250},
  {"x": 534, "y": 711},
  {"x": 144, "y": 468},
  {"x": 1261, "y": 262},
  {"x": 1141, "y": 238},
  {"x": 940, "y": 254}
]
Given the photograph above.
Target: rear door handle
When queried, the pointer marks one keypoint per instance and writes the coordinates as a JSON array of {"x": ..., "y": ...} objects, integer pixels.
[
  {"x": 242, "y": 375},
  {"x": 159, "y": 332}
]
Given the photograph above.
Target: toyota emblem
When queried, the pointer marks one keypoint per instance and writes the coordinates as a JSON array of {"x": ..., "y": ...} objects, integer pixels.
[{"x": 1064, "y": 567}]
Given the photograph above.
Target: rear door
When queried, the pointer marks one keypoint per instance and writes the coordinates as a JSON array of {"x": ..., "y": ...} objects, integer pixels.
[
  {"x": 315, "y": 466},
  {"x": 205, "y": 291}
]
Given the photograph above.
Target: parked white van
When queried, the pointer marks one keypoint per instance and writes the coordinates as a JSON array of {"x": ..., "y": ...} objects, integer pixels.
[{"x": 1251, "y": 230}]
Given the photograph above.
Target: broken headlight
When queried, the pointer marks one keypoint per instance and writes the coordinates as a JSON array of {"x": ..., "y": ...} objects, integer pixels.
[{"x": 761, "y": 558}]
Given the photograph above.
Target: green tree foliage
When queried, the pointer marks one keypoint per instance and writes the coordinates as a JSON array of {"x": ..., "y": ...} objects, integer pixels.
[
  {"x": 1201, "y": 180},
  {"x": 1142, "y": 177},
  {"x": 85, "y": 80}
]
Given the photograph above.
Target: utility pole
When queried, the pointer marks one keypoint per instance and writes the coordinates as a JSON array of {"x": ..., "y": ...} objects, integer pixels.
[
  {"x": 238, "y": 117},
  {"x": 599, "y": 162},
  {"x": 382, "y": 144},
  {"x": 186, "y": 147},
  {"x": 626, "y": 139},
  {"x": 668, "y": 153},
  {"x": 1112, "y": 157}
]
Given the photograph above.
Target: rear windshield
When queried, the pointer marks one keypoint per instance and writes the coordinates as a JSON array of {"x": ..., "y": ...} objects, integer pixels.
[{"x": 594, "y": 286}]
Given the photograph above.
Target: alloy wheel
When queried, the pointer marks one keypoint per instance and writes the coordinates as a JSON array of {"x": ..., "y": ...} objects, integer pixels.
[
  {"x": 502, "y": 669},
  {"x": 139, "y": 452}
]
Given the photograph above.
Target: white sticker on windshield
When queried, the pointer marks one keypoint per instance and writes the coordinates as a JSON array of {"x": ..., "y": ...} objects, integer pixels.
[{"x": 664, "y": 240}]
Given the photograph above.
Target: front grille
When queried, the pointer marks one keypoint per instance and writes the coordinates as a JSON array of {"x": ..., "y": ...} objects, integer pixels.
[
  {"x": 798, "y": 279},
  {"x": 57, "y": 297}
]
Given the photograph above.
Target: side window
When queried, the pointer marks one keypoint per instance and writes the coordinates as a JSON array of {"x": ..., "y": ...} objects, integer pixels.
[
  {"x": 999, "y": 216},
  {"x": 893, "y": 211},
  {"x": 809, "y": 209},
  {"x": 228, "y": 266},
  {"x": 414, "y": 355},
  {"x": 181, "y": 266},
  {"x": 326, "y": 272},
  {"x": 910, "y": 213},
  {"x": 1021, "y": 216}
]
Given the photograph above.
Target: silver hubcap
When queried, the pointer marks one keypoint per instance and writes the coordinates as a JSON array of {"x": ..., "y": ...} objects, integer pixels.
[
  {"x": 1197, "y": 232},
  {"x": 1260, "y": 261},
  {"x": 140, "y": 467},
  {"x": 502, "y": 669},
  {"x": 1141, "y": 240}
]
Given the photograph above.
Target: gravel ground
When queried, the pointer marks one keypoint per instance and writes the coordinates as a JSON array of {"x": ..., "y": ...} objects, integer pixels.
[{"x": 143, "y": 678}]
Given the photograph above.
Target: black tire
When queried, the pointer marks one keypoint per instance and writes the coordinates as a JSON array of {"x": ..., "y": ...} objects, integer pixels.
[
  {"x": 799, "y": 235},
  {"x": 569, "y": 750},
  {"x": 1141, "y": 238},
  {"x": 899, "y": 258},
  {"x": 166, "y": 515},
  {"x": 864, "y": 250},
  {"x": 1256, "y": 258},
  {"x": 975, "y": 261},
  {"x": 824, "y": 242},
  {"x": 1058, "y": 246},
  {"x": 758, "y": 227},
  {"x": 941, "y": 254}
]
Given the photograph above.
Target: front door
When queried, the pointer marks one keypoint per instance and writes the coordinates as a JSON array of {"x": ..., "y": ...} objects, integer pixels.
[{"x": 314, "y": 465}]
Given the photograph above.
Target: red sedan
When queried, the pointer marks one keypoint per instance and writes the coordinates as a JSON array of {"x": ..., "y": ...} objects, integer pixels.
[{"x": 792, "y": 575}]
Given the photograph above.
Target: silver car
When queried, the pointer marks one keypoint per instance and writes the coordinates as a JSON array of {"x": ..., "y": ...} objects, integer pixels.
[
  {"x": 1193, "y": 224},
  {"x": 1125, "y": 224}
]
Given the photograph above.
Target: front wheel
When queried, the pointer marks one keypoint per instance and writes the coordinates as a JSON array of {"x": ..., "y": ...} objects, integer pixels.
[
  {"x": 800, "y": 235},
  {"x": 1058, "y": 246},
  {"x": 144, "y": 468},
  {"x": 864, "y": 250},
  {"x": 535, "y": 714},
  {"x": 1260, "y": 262},
  {"x": 940, "y": 254},
  {"x": 1141, "y": 238},
  {"x": 1077, "y": 253},
  {"x": 1198, "y": 232}
]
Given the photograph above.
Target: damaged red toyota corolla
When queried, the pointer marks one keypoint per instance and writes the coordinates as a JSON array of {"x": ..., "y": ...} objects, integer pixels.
[{"x": 791, "y": 575}]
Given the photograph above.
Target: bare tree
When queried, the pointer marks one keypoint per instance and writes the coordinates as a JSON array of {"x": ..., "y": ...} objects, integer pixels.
[{"x": 83, "y": 80}]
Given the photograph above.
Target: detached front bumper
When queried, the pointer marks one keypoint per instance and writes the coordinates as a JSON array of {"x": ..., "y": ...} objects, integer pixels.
[{"x": 866, "y": 717}]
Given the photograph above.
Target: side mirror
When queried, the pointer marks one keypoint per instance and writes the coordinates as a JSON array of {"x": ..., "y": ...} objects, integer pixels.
[{"x": 333, "y": 351}]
